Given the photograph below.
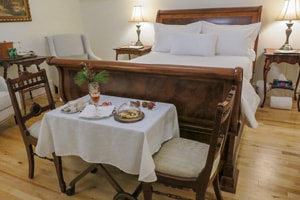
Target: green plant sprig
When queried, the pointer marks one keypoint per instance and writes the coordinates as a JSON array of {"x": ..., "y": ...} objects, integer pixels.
[{"x": 88, "y": 74}]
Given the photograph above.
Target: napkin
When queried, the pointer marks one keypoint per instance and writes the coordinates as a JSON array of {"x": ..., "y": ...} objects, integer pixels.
[{"x": 91, "y": 112}]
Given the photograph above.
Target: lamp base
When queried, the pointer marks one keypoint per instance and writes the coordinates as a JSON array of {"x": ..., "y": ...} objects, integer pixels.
[
  {"x": 138, "y": 31},
  {"x": 286, "y": 47},
  {"x": 288, "y": 31},
  {"x": 139, "y": 43}
]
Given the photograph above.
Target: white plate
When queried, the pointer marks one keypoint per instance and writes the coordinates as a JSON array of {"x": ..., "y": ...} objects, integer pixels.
[
  {"x": 68, "y": 110},
  {"x": 74, "y": 107}
]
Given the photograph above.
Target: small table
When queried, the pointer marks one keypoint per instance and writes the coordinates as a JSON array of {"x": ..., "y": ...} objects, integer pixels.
[
  {"x": 24, "y": 61},
  {"x": 128, "y": 146},
  {"x": 290, "y": 58},
  {"x": 129, "y": 51}
]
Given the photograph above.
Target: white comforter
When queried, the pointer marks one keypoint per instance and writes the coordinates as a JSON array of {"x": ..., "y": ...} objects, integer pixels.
[{"x": 250, "y": 100}]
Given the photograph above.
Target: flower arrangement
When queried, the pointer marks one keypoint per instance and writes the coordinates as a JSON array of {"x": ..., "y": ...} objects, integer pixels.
[{"x": 87, "y": 74}]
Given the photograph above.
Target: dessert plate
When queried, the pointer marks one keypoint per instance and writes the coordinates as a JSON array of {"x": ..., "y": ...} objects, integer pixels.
[{"x": 129, "y": 116}]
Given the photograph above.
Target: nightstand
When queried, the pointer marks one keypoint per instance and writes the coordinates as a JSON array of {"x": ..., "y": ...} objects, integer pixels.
[
  {"x": 290, "y": 58},
  {"x": 134, "y": 51}
]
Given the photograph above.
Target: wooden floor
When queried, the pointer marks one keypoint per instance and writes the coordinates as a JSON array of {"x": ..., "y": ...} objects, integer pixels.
[{"x": 269, "y": 164}]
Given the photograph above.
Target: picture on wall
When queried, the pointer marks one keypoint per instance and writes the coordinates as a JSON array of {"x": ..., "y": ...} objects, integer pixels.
[{"x": 14, "y": 11}]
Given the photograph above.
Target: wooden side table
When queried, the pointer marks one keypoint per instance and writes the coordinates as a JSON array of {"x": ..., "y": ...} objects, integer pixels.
[
  {"x": 290, "y": 58},
  {"x": 129, "y": 51},
  {"x": 22, "y": 62}
]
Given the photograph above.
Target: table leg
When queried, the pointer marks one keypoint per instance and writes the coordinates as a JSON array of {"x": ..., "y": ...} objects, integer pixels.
[
  {"x": 59, "y": 172},
  {"x": 127, "y": 196},
  {"x": 71, "y": 190},
  {"x": 121, "y": 194},
  {"x": 19, "y": 69},
  {"x": 265, "y": 73},
  {"x": 297, "y": 82},
  {"x": 298, "y": 103},
  {"x": 109, "y": 178},
  {"x": 5, "y": 66}
]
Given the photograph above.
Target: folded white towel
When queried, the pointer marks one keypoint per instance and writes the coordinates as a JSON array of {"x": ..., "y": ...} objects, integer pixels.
[{"x": 91, "y": 112}]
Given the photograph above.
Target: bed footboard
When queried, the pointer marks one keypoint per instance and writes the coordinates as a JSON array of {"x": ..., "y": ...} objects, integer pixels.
[{"x": 195, "y": 91}]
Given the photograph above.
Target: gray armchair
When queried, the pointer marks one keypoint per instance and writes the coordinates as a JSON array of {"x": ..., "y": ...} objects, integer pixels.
[{"x": 74, "y": 46}]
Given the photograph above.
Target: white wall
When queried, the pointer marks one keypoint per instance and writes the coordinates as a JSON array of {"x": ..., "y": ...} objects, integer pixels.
[
  {"x": 48, "y": 17},
  {"x": 106, "y": 23}
]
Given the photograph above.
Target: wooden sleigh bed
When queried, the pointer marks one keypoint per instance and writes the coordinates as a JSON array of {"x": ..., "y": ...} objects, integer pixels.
[{"x": 195, "y": 90}]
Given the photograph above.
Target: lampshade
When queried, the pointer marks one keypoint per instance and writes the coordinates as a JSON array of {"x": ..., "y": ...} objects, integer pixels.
[
  {"x": 137, "y": 14},
  {"x": 290, "y": 10}
]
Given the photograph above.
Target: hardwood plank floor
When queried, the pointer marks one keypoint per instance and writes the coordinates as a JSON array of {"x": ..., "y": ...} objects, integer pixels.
[{"x": 269, "y": 164}]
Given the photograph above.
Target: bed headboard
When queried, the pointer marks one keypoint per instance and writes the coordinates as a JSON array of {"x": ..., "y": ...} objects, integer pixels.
[
  {"x": 236, "y": 15},
  {"x": 233, "y": 16}
]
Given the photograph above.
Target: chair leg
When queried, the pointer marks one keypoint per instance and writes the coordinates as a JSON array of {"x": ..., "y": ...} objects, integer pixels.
[
  {"x": 55, "y": 89},
  {"x": 147, "y": 190},
  {"x": 30, "y": 157},
  {"x": 217, "y": 188},
  {"x": 298, "y": 103},
  {"x": 58, "y": 167},
  {"x": 15, "y": 118},
  {"x": 200, "y": 194}
]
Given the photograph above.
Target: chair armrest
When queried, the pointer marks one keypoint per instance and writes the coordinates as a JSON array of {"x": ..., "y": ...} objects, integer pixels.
[
  {"x": 92, "y": 56},
  {"x": 3, "y": 86},
  {"x": 88, "y": 49},
  {"x": 51, "y": 47}
]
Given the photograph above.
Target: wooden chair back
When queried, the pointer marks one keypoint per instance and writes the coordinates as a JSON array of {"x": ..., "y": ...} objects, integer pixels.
[
  {"x": 210, "y": 172},
  {"x": 30, "y": 82},
  {"x": 218, "y": 138}
]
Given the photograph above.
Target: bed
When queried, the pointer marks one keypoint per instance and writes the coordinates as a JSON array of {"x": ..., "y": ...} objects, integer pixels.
[
  {"x": 225, "y": 42},
  {"x": 194, "y": 86}
]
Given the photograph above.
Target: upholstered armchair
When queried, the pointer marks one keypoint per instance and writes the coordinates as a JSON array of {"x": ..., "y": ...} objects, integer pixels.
[
  {"x": 6, "y": 109},
  {"x": 74, "y": 46}
]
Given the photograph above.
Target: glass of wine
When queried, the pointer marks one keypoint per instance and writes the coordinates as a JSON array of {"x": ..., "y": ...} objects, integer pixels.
[{"x": 94, "y": 91}]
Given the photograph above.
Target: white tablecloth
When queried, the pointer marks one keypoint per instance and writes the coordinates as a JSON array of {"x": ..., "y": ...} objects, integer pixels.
[{"x": 128, "y": 146}]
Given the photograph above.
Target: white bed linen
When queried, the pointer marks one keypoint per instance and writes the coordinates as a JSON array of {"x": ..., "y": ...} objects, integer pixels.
[{"x": 250, "y": 100}]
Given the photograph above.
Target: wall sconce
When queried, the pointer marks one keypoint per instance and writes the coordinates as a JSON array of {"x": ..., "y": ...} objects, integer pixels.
[
  {"x": 137, "y": 16},
  {"x": 290, "y": 11}
]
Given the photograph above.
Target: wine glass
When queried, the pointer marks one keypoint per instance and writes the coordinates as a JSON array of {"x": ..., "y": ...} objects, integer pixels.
[{"x": 94, "y": 91}]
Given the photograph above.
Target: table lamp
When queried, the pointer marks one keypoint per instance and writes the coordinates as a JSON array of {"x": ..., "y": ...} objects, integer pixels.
[
  {"x": 290, "y": 11},
  {"x": 137, "y": 16}
]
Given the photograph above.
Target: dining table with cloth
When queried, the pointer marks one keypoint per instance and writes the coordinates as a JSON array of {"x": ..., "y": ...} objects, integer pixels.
[{"x": 127, "y": 146}]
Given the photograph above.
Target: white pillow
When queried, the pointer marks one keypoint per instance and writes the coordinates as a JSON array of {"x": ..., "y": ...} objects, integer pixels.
[
  {"x": 194, "y": 44},
  {"x": 236, "y": 40},
  {"x": 163, "y": 34}
]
